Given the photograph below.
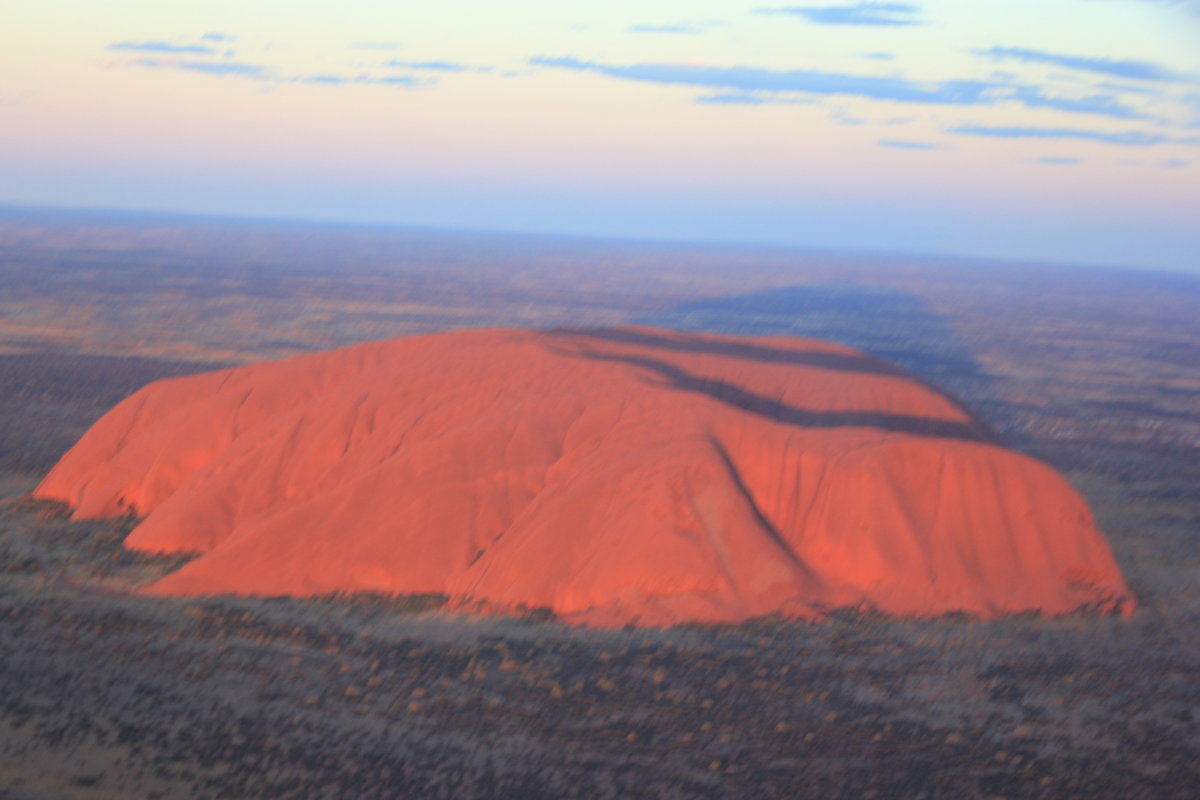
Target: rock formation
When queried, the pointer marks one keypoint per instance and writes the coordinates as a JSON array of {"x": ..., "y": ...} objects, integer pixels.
[{"x": 612, "y": 476}]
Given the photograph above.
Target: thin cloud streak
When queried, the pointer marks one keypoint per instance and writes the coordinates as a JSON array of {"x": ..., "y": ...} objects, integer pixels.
[
  {"x": 732, "y": 99},
  {"x": 1126, "y": 138},
  {"x": 161, "y": 47},
  {"x": 1104, "y": 104},
  {"x": 172, "y": 57},
  {"x": 901, "y": 144},
  {"x": 218, "y": 68},
  {"x": 758, "y": 86},
  {"x": 690, "y": 30},
  {"x": 324, "y": 80},
  {"x": 434, "y": 66},
  {"x": 259, "y": 72},
  {"x": 754, "y": 79},
  {"x": 748, "y": 99},
  {"x": 400, "y": 81},
  {"x": 1116, "y": 68},
  {"x": 869, "y": 14}
]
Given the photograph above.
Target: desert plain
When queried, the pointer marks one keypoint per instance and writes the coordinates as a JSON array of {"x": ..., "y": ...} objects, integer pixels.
[{"x": 106, "y": 692}]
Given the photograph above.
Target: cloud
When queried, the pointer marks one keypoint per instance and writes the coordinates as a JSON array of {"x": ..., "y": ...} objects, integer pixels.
[
  {"x": 1126, "y": 69},
  {"x": 1104, "y": 104},
  {"x": 325, "y": 80},
  {"x": 1127, "y": 138},
  {"x": 218, "y": 37},
  {"x": 1173, "y": 163},
  {"x": 219, "y": 68},
  {"x": 756, "y": 86},
  {"x": 729, "y": 98},
  {"x": 879, "y": 14},
  {"x": 754, "y": 79},
  {"x": 172, "y": 60},
  {"x": 328, "y": 79},
  {"x": 1058, "y": 160},
  {"x": 434, "y": 66},
  {"x": 901, "y": 144},
  {"x": 677, "y": 29},
  {"x": 879, "y": 56},
  {"x": 226, "y": 68},
  {"x": 162, "y": 47},
  {"x": 1188, "y": 6},
  {"x": 748, "y": 99},
  {"x": 401, "y": 80}
]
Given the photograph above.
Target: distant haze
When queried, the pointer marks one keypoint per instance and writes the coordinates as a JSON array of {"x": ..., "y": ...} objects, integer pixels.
[{"x": 1063, "y": 130}]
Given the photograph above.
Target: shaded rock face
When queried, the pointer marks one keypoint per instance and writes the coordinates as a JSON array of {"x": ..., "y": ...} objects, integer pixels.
[{"x": 614, "y": 476}]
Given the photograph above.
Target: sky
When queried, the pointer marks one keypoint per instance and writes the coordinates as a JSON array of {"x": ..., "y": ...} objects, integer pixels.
[{"x": 1056, "y": 130}]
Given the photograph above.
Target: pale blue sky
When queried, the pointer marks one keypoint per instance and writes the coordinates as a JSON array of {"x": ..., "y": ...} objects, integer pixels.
[{"x": 1059, "y": 129}]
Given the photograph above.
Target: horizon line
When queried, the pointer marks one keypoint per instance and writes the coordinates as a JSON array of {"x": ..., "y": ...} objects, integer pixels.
[{"x": 8, "y": 208}]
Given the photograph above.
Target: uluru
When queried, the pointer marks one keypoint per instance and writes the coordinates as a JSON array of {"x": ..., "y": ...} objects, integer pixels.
[{"x": 612, "y": 476}]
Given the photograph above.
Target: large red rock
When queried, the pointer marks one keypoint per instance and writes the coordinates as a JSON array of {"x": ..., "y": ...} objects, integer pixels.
[{"x": 612, "y": 476}]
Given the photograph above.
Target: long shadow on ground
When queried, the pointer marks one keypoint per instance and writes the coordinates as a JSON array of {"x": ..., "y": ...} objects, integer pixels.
[{"x": 885, "y": 322}]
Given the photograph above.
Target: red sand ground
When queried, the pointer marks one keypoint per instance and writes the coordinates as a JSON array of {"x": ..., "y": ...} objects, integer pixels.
[{"x": 612, "y": 476}]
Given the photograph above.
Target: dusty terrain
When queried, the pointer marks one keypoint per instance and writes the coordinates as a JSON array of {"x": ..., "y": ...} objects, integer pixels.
[{"x": 103, "y": 694}]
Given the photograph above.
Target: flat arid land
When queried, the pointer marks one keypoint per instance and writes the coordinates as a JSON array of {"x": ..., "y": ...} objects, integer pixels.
[{"x": 105, "y": 693}]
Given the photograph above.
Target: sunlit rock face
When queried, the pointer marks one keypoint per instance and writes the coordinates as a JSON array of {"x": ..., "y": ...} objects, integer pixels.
[{"x": 613, "y": 476}]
